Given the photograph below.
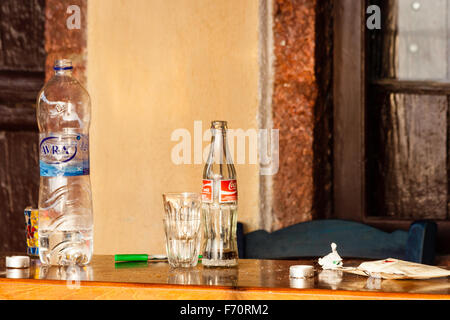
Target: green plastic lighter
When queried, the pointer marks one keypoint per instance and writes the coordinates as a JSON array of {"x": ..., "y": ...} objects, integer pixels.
[{"x": 141, "y": 257}]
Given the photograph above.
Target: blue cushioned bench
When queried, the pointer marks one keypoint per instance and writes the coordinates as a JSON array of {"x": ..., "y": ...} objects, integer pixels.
[{"x": 353, "y": 239}]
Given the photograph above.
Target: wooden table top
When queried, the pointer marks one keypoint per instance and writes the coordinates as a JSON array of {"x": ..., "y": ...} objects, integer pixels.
[{"x": 252, "y": 279}]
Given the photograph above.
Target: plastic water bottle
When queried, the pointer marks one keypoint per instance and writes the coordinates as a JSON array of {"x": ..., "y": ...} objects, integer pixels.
[
  {"x": 65, "y": 201},
  {"x": 219, "y": 202}
]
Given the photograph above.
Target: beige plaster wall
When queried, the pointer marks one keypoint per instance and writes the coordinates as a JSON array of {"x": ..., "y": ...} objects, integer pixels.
[{"x": 155, "y": 66}]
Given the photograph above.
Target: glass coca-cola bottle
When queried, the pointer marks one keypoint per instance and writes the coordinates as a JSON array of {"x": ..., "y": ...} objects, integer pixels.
[{"x": 219, "y": 202}]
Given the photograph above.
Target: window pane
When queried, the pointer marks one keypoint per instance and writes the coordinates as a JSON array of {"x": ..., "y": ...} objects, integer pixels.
[
  {"x": 413, "y": 42},
  {"x": 407, "y": 156}
]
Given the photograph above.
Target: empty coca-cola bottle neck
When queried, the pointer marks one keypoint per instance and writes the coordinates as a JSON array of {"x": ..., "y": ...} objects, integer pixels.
[
  {"x": 218, "y": 128},
  {"x": 220, "y": 125}
]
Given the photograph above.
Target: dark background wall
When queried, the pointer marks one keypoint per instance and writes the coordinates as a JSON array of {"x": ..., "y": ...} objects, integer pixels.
[{"x": 22, "y": 63}]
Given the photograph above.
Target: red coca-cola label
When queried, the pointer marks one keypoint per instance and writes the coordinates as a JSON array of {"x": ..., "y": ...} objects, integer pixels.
[
  {"x": 207, "y": 190},
  {"x": 228, "y": 191}
]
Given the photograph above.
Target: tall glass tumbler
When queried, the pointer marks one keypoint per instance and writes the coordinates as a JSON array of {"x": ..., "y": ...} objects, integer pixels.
[{"x": 182, "y": 225}]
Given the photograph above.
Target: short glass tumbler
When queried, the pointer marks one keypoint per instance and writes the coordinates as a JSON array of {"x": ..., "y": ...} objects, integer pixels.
[{"x": 182, "y": 225}]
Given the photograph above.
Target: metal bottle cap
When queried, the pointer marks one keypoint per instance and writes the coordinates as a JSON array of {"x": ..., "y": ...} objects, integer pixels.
[
  {"x": 301, "y": 272},
  {"x": 18, "y": 262}
]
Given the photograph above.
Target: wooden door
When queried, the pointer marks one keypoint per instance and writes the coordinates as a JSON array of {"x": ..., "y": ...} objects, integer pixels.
[{"x": 22, "y": 62}]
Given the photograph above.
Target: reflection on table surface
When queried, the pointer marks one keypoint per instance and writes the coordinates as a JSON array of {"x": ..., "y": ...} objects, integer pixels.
[{"x": 248, "y": 274}]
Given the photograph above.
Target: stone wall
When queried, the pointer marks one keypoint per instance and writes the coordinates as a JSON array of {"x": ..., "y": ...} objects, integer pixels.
[
  {"x": 301, "y": 189},
  {"x": 62, "y": 42}
]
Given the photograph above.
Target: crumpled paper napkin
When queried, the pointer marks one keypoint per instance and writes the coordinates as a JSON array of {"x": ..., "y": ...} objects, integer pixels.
[{"x": 397, "y": 269}]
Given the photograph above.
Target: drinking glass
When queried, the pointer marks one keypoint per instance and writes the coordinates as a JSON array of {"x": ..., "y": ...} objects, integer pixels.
[
  {"x": 182, "y": 225},
  {"x": 184, "y": 276}
]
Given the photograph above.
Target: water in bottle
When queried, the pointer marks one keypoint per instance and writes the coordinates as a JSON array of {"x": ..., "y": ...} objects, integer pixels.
[
  {"x": 65, "y": 201},
  {"x": 219, "y": 202}
]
